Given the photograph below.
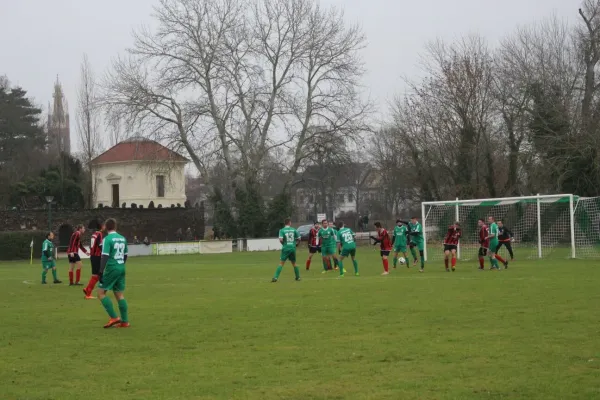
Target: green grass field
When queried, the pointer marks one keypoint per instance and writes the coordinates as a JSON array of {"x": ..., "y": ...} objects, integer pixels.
[{"x": 214, "y": 327}]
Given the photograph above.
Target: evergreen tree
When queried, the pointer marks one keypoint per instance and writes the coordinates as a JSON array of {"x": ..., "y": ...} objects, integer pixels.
[{"x": 20, "y": 128}]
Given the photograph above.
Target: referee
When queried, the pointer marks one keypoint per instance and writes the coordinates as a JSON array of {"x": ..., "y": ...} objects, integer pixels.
[{"x": 505, "y": 238}]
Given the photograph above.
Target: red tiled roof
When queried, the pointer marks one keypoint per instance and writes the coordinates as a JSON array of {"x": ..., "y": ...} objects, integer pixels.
[{"x": 138, "y": 150}]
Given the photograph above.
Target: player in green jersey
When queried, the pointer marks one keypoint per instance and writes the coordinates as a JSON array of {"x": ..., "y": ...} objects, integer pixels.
[
  {"x": 48, "y": 261},
  {"x": 288, "y": 237},
  {"x": 400, "y": 241},
  {"x": 328, "y": 244},
  {"x": 112, "y": 275},
  {"x": 415, "y": 230},
  {"x": 347, "y": 246},
  {"x": 493, "y": 238},
  {"x": 336, "y": 257}
]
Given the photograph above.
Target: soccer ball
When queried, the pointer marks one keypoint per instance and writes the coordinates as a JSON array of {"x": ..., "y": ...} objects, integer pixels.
[{"x": 402, "y": 260}]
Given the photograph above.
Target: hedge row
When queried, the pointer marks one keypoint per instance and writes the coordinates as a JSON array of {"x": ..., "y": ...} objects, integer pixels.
[{"x": 16, "y": 245}]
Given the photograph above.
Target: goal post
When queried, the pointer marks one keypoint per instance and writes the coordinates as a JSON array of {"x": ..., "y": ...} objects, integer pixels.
[{"x": 563, "y": 225}]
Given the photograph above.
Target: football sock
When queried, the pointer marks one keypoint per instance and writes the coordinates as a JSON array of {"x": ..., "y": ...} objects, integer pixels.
[
  {"x": 91, "y": 284},
  {"x": 78, "y": 276},
  {"x": 422, "y": 256},
  {"x": 278, "y": 271},
  {"x": 341, "y": 265},
  {"x": 395, "y": 261},
  {"x": 297, "y": 272},
  {"x": 446, "y": 262},
  {"x": 481, "y": 261},
  {"x": 325, "y": 264},
  {"x": 71, "y": 277},
  {"x": 44, "y": 273},
  {"x": 108, "y": 306},
  {"x": 386, "y": 265},
  {"x": 355, "y": 266},
  {"x": 454, "y": 262},
  {"x": 123, "y": 310},
  {"x": 54, "y": 273},
  {"x": 414, "y": 253},
  {"x": 336, "y": 262},
  {"x": 502, "y": 260},
  {"x": 308, "y": 263}
]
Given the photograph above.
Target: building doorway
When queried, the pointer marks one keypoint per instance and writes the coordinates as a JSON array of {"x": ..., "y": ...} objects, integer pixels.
[{"x": 115, "y": 196}]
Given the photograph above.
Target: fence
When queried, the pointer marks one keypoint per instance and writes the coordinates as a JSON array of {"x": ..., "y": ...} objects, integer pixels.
[{"x": 215, "y": 246}]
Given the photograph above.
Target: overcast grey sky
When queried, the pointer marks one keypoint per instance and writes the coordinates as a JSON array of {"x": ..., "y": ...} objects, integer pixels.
[{"x": 40, "y": 39}]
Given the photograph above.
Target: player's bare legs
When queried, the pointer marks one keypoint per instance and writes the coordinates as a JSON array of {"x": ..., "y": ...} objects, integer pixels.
[{"x": 447, "y": 260}]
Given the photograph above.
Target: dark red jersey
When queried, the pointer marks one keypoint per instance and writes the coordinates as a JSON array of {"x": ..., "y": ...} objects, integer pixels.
[
  {"x": 453, "y": 235},
  {"x": 313, "y": 237},
  {"x": 75, "y": 243},
  {"x": 384, "y": 240},
  {"x": 483, "y": 234},
  {"x": 96, "y": 245}
]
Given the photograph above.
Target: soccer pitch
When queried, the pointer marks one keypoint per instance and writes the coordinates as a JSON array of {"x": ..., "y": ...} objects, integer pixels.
[{"x": 214, "y": 327}]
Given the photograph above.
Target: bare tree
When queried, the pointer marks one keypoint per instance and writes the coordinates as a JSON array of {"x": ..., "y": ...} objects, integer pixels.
[
  {"x": 88, "y": 125},
  {"x": 232, "y": 80}
]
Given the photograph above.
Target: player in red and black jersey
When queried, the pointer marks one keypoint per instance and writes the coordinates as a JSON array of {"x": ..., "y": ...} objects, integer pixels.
[
  {"x": 451, "y": 244},
  {"x": 383, "y": 238},
  {"x": 73, "y": 254},
  {"x": 95, "y": 259},
  {"x": 484, "y": 242},
  {"x": 314, "y": 245}
]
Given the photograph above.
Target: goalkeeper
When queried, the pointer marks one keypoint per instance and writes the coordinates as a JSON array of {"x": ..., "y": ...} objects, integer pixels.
[{"x": 505, "y": 237}]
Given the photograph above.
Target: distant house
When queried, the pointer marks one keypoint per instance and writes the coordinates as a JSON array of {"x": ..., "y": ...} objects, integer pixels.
[
  {"x": 139, "y": 171},
  {"x": 349, "y": 188}
]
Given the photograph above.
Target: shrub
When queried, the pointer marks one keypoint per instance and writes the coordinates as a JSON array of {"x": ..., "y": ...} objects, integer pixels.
[
  {"x": 151, "y": 205},
  {"x": 16, "y": 245}
]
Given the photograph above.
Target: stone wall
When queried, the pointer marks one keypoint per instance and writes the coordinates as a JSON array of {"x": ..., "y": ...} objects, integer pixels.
[{"x": 157, "y": 224}]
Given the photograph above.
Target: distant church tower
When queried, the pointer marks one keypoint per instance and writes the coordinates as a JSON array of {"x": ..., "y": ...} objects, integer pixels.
[{"x": 59, "y": 132}]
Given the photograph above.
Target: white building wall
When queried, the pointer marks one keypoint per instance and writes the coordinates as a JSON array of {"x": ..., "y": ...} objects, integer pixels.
[{"x": 137, "y": 183}]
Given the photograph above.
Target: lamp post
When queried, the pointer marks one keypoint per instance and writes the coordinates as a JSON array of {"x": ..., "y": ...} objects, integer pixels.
[{"x": 49, "y": 201}]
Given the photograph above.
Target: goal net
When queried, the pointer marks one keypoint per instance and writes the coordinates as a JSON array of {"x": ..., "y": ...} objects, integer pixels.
[{"x": 559, "y": 225}]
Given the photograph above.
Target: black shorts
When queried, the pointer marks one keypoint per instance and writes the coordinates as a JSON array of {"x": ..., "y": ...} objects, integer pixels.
[
  {"x": 314, "y": 249},
  {"x": 450, "y": 247},
  {"x": 95, "y": 260},
  {"x": 483, "y": 252},
  {"x": 74, "y": 259},
  {"x": 385, "y": 253}
]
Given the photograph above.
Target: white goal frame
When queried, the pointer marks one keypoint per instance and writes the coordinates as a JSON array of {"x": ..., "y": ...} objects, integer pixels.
[{"x": 458, "y": 202}]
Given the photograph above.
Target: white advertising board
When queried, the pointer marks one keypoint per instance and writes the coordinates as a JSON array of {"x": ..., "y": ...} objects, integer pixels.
[{"x": 263, "y": 244}]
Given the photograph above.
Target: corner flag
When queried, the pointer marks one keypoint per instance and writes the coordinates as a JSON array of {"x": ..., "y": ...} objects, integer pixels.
[{"x": 31, "y": 248}]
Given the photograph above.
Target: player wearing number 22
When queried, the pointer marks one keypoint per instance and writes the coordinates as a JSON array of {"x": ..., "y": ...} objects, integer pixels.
[
  {"x": 451, "y": 245},
  {"x": 112, "y": 275},
  {"x": 347, "y": 247},
  {"x": 289, "y": 238}
]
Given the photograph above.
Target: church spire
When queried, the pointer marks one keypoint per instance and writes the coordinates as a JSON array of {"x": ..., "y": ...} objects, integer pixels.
[{"x": 58, "y": 122}]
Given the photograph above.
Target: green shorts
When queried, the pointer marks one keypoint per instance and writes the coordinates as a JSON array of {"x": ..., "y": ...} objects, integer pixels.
[
  {"x": 494, "y": 245},
  {"x": 48, "y": 264},
  {"x": 328, "y": 251},
  {"x": 288, "y": 254},
  {"x": 419, "y": 245},
  {"x": 113, "y": 279},
  {"x": 349, "y": 251},
  {"x": 401, "y": 248}
]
